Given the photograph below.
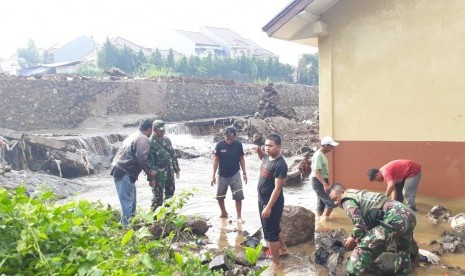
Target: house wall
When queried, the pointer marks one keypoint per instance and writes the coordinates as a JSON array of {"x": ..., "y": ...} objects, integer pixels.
[
  {"x": 226, "y": 47},
  {"x": 392, "y": 87},
  {"x": 181, "y": 44}
]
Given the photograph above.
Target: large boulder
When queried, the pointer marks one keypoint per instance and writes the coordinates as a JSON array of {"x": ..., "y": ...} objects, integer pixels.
[
  {"x": 69, "y": 164},
  {"x": 297, "y": 224},
  {"x": 197, "y": 225}
]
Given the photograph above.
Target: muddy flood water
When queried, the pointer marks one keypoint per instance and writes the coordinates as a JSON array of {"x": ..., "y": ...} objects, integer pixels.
[{"x": 196, "y": 173}]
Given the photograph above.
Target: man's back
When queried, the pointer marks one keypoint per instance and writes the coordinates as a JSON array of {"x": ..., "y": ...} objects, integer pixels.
[
  {"x": 132, "y": 156},
  {"x": 398, "y": 170}
]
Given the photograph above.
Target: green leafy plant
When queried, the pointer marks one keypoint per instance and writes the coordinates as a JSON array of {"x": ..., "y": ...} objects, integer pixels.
[
  {"x": 39, "y": 236},
  {"x": 252, "y": 254}
]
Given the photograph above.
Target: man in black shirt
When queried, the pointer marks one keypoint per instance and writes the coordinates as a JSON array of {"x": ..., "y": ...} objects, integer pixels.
[
  {"x": 229, "y": 155},
  {"x": 273, "y": 173}
]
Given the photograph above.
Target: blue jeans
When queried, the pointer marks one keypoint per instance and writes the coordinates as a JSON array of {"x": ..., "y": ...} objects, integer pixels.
[{"x": 127, "y": 197}]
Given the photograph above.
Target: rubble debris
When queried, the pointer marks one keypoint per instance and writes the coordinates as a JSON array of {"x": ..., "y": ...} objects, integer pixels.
[
  {"x": 268, "y": 106},
  {"x": 437, "y": 214}
]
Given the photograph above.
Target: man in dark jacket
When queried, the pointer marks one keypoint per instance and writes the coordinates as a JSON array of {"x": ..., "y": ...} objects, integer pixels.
[
  {"x": 129, "y": 161},
  {"x": 377, "y": 222}
]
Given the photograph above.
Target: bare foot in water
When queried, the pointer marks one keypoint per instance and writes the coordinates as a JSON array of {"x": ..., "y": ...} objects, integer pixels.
[
  {"x": 284, "y": 252},
  {"x": 240, "y": 220},
  {"x": 274, "y": 268},
  {"x": 225, "y": 215}
]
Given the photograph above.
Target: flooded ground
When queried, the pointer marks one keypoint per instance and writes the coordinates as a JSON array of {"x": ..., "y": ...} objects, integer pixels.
[{"x": 196, "y": 174}]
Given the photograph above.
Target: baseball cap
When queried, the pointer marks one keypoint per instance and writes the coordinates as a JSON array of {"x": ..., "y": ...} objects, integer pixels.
[
  {"x": 159, "y": 124},
  {"x": 327, "y": 140},
  {"x": 145, "y": 124}
]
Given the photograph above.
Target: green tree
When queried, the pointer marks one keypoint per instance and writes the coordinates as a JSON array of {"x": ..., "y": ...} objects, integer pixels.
[
  {"x": 193, "y": 63},
  {"x": 157, "y": 59},
  {"x": 108, "y": 56},
  {"x": 181, "y": 66},
  {"x": 140, "y": 59},
  {"x": 28, "y": 56},
  {"x": 170, "y": 63},
  {"x": 243, "y": 69},
  {"x": 127, "y": 60},
  {"x": 307, "y": 69}
]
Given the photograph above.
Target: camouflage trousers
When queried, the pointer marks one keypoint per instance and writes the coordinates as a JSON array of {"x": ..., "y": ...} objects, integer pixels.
[
  {"x": 164, "y": 184},
  {"x": 402, "y": 222}
]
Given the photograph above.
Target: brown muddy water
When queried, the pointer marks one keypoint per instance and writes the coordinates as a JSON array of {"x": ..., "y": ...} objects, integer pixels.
[{"x": 224, "y": 233}]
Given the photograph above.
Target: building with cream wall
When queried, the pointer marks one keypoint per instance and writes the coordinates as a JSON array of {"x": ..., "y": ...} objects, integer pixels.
[{"x": 391, "y": 84}]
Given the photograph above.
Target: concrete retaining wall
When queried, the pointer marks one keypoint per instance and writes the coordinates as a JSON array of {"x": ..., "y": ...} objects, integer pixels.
[{"x": 54, "y": 103}]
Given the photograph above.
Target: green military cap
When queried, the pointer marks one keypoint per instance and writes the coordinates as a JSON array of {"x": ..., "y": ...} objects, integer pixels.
[{"x": 159, "y": 124}]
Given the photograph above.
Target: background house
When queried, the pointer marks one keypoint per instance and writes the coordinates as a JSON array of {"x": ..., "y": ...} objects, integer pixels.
[
  {"x": 195, "y": 44},
  {"x": 120, "y": 43},
  {"x": 82, "y": 48},
  {"x": 219, "y": 42},
  {"x": 235, "y": 45},
  {"x": 390, "y": 84}
]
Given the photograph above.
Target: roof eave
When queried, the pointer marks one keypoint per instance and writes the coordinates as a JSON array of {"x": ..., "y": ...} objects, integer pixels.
[
  {"x": 285, "y": 15},
  {"x": 301, "y": 22}
]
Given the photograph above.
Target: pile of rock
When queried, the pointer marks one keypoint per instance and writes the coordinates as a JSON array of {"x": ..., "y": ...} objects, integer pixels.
[
  {"x": 451, "y": 241},
  {"x": 297, "y": 225},
  {"x": 269, "y": 105},
  {"x": 330, "y": 250}
]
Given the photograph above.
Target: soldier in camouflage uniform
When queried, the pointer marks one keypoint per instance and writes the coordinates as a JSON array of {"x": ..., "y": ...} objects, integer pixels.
[
  {"x": 377, "y": 222},
  {"x": 163, "y": 160}
]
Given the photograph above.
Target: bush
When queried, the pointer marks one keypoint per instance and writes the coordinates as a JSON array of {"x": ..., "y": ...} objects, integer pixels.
[
  {"x": 90, "y": 70},
  {"x": 39, "y": 236},
  {"x": 151, "y": 71}
]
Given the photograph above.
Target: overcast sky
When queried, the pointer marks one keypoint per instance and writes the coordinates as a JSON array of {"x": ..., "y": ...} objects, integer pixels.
[{"x": 144, "y": 22}]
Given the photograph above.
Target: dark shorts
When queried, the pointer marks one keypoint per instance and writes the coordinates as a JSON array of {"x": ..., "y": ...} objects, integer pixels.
[
  {"x": 323, "y": 199},
  {"x": 271, "y": 226}
]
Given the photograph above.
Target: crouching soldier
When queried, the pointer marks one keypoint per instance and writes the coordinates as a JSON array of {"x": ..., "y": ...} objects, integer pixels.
[{"x": 377, "y": 221}]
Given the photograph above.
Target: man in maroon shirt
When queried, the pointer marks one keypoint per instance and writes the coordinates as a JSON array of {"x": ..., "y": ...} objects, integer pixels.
[{"x": 402, "y": 178}]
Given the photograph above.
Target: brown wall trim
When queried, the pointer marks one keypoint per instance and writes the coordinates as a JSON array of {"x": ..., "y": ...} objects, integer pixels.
[{"x": 443, "y": 164}]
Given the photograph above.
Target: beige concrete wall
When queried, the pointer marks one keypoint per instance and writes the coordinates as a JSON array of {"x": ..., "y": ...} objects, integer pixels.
[{"x": 394, "y": 70}]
